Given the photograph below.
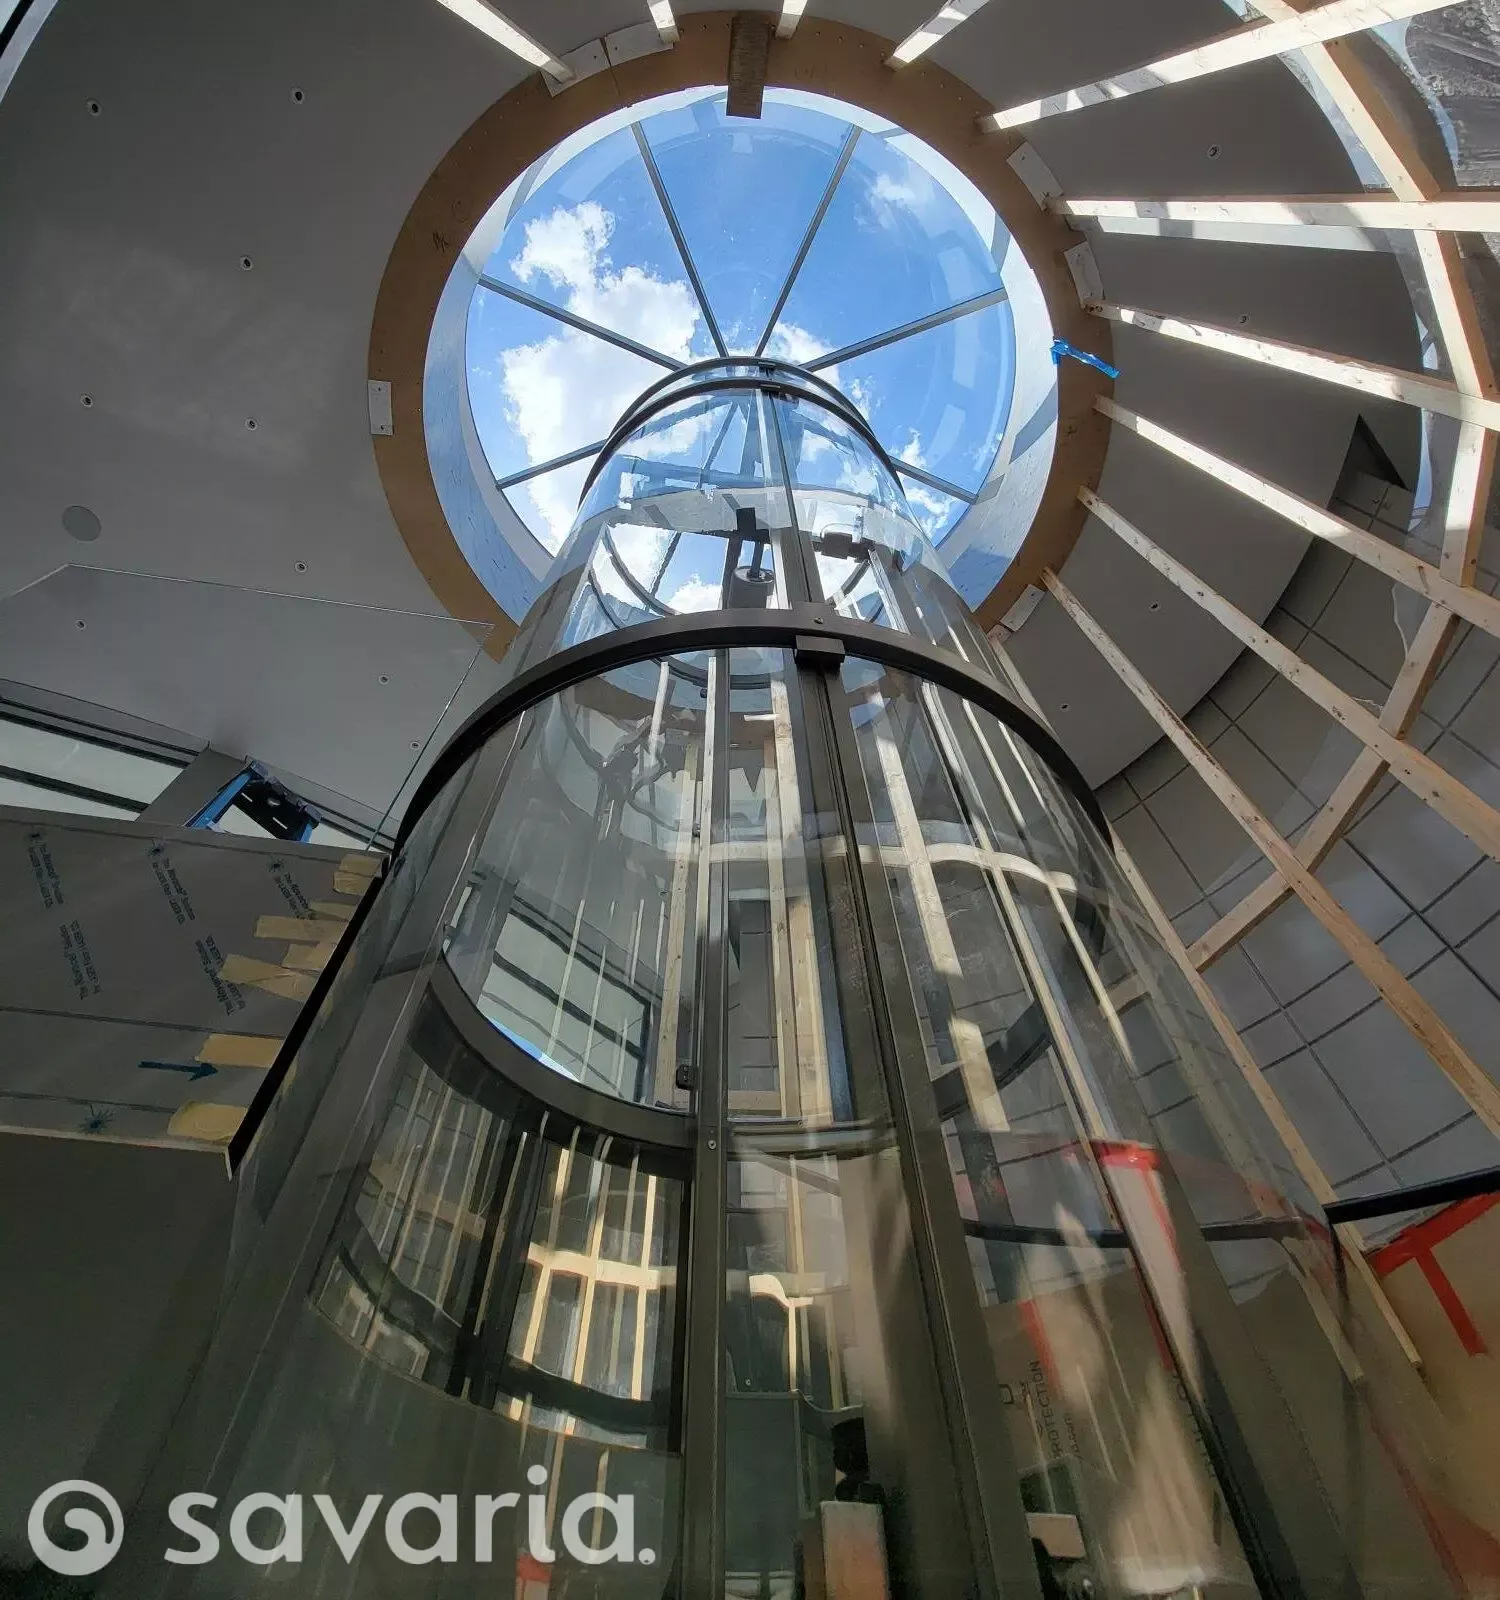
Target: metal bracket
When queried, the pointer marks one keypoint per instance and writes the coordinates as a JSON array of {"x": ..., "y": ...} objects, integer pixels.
[{"x": 819, "y": 652}]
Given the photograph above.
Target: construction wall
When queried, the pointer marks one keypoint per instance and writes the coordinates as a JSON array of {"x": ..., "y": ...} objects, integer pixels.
[{"x": 1375, "y": 1110}]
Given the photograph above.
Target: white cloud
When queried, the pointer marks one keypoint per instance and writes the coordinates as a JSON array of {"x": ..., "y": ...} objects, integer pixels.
[
  {"x": 790, "y": 343},
  {"x": 570, "y": 387},
  {"x": 914, "y": 192},
  {"x": 694, "y": 595}
]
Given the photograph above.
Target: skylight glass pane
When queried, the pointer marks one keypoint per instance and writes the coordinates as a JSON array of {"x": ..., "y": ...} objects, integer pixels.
[
  {"x": 592, "y": 239},
  {"x": 894, "y": 247},
  {"x": 937, "y": 513},
  {"x": 548, "y": 503},
  {"x": 539, "y": 388},
  {"x": 35, "y": 798},
  {"x": 744, "y": 193},
  {"x": 941, "y": 399},
  {"x": 49, "y": 753}
]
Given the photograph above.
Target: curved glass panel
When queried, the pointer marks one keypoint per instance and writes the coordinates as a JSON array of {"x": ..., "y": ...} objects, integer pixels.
[
  {"x": 974, "y": 1265},
  {"x": 574, "y": 936},
  {"x": 745, "y": 193},
  {"x": 936, "y": 512}
]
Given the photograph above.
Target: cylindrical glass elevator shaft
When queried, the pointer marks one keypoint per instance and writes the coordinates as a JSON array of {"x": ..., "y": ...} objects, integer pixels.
[{"x": 758, "y": 1094}]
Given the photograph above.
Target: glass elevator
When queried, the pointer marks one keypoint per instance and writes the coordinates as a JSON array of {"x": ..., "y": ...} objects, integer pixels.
[{"x": 756, "y": 1090}]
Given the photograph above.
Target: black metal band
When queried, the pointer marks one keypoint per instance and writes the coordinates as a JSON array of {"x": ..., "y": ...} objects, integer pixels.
[
  {"x": 591, "y": 1108},
  {"x": 1415, "y": 1197},
  {"x": 740, "y": 630},
  {"x": 778, "y": 379}
]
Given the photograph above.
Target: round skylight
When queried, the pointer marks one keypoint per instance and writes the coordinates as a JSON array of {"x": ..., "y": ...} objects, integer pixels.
[{"x": 819, "y": 234}]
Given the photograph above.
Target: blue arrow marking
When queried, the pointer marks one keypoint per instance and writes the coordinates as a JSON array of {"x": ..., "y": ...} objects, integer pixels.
[{"x": 194, "y": 1069}]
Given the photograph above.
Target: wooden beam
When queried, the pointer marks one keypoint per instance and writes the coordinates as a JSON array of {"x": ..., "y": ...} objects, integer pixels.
[
  {"x": 1468, "y": 501},
  {"x": 1388, "y": 141},
  {"x": 663, "y": 20},
  {"x": 749, "y": 58},
  {"x": 1468, "y": 211},
  {"x": 1473, "y": 605},
  {"x": 938, "y": 26},
  {"x": 791, "y": 15},
  {"x": 1431, "y": 783},
  {"x": 1387, "y": 383},
  {"x": 1396, "y": 990},
  {"x": 1256, "y": 41}
]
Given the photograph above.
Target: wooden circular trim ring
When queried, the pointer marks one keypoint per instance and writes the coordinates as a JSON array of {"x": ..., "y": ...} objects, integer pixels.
[{"x": 829, "y": 58}]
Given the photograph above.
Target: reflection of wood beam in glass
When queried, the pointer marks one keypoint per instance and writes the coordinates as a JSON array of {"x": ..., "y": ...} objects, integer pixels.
[
  {"x": 683, "y": 850},
  {"x": 968, "y": 1041},
  {"x": 805, "y": 1074}
]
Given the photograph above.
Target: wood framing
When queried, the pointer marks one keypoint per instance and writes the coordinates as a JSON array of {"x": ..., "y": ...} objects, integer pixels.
[
  {"x": 1451, "y": 799},
  {"x": 1256, "y": 41},
  {"x": 1386, "y": 383},
  {"x": 1468, "y": 499},
  {"x": 1414, "y": 186},
  {"x": 1473, "y": 605},
  {"x": 1467, "y": 211},
  {"x": 1476, "y": 1087}
]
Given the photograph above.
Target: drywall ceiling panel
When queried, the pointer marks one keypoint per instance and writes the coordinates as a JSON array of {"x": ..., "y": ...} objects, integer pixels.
[{"x": 345, "y": 695}]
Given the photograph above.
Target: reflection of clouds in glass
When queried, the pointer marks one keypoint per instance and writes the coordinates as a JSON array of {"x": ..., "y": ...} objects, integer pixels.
[
  {"x": 694, "y": 595},
  {"x": 640, "y": 550},
  {"x": 929, "y": 506},
  {"x": 913, "y": 192},
  {"x": 684, "y": 439},
  {"x": 554, "y": 387}
]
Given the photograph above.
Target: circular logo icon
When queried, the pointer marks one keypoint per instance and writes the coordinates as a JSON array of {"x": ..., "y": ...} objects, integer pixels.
[{"x": 100, "y": 1543}]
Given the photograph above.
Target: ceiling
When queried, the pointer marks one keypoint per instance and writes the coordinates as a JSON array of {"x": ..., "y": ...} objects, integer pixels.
[{"x": 122, "y": 279}]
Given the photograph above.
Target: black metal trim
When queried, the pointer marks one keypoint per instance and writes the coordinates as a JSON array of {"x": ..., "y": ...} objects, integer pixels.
[
  {"x": 1416, "y": 1197},
  {"x": 774, "y": 368},
  {"x": 270, "y": 1086},
  {"x": 78, "y": 791},
  {"x": 778, "y": 378},
  {"x": 1118, "y": 1239},
  {"x": 733, "y": 630},
  {"x": 591, "y": 1108},
  {"x": 13, "y": 23}
]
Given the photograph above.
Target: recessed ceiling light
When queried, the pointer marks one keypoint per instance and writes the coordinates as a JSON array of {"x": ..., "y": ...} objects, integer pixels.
[
  {"x": 81, "y": 523},
  {"x": 504, "y": 32}
]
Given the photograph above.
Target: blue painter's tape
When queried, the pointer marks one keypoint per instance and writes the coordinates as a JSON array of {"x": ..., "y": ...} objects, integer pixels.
[{"x": 1061, "y": 348}]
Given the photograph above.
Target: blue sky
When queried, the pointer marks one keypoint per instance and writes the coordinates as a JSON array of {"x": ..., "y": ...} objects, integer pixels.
[{"x": 903, "y": 238}]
